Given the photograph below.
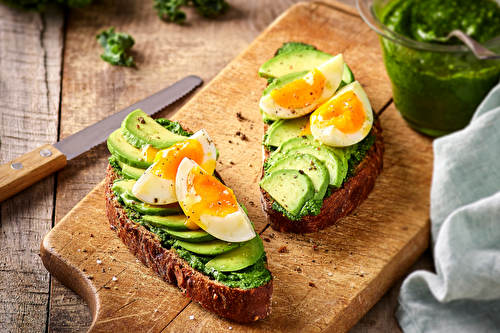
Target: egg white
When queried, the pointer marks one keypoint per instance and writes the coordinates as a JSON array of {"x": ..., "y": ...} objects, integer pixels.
[
  {"x": 234, "y": 227},
  {"x": 156, "y": 190},
  {"x": 331, "y": 135},
  {"x": 332, "y": 70}
]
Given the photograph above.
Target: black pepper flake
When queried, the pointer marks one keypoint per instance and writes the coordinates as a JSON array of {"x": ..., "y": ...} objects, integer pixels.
[
  {"x": 141, "y": 120},
  {"x": 238, "y": 116},
  {"x": 155, "y": 200},
  {"x": 311, "y": 284},
  {"x": 238, "y": 133},
  {"x": 266, "y": 239},
  {"x": 301, "y": 172},
  {"x": 138, "y": 127},
  {"x": 243, "y": 137}
]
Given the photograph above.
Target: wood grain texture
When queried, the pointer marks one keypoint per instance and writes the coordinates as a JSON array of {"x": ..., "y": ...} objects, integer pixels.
[
  {"x": 326, "y": 280},
  {"x": 92, "y": 89},
  {"x": 30, "y": 62}
]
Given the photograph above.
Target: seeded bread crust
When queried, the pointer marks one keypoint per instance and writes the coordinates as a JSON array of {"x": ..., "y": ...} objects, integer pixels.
[
  {"x": 241, "y": 305},
  {"x": 342, "y": 201}
]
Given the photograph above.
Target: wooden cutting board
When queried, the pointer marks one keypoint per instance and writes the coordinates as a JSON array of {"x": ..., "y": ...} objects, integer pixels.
[{"x": 324, "y": 281}]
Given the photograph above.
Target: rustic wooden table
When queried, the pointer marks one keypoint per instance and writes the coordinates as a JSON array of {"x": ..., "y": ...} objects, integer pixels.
[{"x": 44, "y": 96}]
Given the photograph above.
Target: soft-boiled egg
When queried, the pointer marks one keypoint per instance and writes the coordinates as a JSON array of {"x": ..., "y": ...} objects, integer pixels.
[
  {"x": 302, "y": 96},
  {"x": 210, "y": 204},
  {"x": 345, "y": 119},
  {"x": 156, "y": 186}
]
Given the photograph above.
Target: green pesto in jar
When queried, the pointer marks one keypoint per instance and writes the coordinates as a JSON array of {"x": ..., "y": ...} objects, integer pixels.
[{"x": 438, "y": 92}]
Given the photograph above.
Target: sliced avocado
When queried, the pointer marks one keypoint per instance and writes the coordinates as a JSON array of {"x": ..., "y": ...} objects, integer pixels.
[
  {"x": 139, "y": 129},
  {"x": 293, "y": 61},
  {"x": 171, "y": 222},
  {"x": 347, "y": 77},
  {"x": 285, "y": 129},
  {"x": 283, "y": 80},
  {"x": 130, "y": 172},
  {"x": 308, "y": 140},
  {"x": 329, "y": 159},
  {"x": 239, "y": 258},
  {"x": 290, "y": 188},
  {"x": 125, "y": 152},
  {"x": 309, "y": 165},
  {"x": 191, "y": 236},
  {"x": 123, "y": 188},
  {"x": 210, "y": 248}
]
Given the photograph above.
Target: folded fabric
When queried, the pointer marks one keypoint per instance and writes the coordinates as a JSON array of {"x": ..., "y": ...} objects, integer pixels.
[{"x": 464, "y": 293}]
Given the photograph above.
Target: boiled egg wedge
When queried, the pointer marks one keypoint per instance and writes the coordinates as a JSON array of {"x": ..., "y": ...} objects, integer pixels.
[
  {"x": 210, "y": 204},
  {"x": 156, "y": 186},
  {"x": 345, "y": 119},
  {"x": 304, "y": 95}
]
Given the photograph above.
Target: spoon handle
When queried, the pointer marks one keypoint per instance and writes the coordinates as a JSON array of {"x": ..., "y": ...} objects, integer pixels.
[{"x": 480, "y": 51}]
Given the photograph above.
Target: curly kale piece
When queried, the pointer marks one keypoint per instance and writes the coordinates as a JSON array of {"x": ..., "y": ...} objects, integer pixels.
[
  {"x": 294, "y": 46},
  {"x": 40, "y": 5},
  {"x": 115, "y": 44},
  {"x": 169, "y": 10},
  {"x": 173, "y": 127}
]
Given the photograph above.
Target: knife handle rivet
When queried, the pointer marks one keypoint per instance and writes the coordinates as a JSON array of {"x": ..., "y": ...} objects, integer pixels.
[
  {"x": 45, "y": 152},
  {"x": 16, "y": 166}
]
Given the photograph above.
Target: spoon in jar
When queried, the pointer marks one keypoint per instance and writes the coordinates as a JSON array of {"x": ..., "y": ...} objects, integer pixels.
[{"x": 479, "y": 51}]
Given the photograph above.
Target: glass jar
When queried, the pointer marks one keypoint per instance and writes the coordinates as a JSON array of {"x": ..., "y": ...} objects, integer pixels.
[{"x": 436, "y": 88}]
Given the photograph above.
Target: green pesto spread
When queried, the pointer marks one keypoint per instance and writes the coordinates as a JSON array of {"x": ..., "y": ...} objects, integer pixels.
[
  {"x": 429, "y": 21},
  {"x": 437, "y": 92}
]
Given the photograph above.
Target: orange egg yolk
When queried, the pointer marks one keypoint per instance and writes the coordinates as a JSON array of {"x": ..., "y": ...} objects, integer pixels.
[
  {"x": 306, "y": 129},
  {"x": 300, "y": 93},
  {"x": 170, "y": 158},
  {"x": 345, "y": 112},
  {"x": 149, "y": 152},
  {"x": 212, "y": 197}
]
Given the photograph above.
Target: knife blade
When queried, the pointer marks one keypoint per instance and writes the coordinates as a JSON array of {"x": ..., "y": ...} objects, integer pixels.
[{"x": 43, "y": 161}]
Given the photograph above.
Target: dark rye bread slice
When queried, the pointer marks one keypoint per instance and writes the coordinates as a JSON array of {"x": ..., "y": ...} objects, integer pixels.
[
  {"x": 342, "y": 201},
  {"x": 241, "y": 305}
]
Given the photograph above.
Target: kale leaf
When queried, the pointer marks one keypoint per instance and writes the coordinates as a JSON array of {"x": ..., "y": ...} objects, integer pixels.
[
  {"x": 40, "y": 5},
  {"x": 115, "y": 44},
  {"x": 173, "y": 127},
  {"x": 294, "y": 46},
  {"x": 169, "y": 10}
]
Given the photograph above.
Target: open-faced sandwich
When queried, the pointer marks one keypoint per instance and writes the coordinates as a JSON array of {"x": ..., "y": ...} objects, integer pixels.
[
  {"x": 322, "y": 145},
  {"x": 169, "y": 206}
]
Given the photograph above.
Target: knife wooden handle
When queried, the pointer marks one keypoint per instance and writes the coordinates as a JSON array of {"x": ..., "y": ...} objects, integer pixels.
[{"x": 29, "y": 169}]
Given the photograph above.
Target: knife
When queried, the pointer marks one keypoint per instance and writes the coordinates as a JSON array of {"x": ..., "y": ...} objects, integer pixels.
[{"x": 42, "y": 162}]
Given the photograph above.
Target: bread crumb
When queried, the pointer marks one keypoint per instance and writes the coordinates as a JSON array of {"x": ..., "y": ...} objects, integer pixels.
[{"x": 283, "y": 249}]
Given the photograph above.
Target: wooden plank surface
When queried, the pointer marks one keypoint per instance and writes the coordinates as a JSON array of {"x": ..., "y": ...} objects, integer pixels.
[
  {"x": 327, "y": 280},
  {"x": 92, "y": 89},
  {"x": 30, "y": 65}
]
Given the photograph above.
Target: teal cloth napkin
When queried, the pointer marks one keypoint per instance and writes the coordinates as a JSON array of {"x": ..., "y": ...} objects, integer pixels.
[{"x": 464, "y": 293}]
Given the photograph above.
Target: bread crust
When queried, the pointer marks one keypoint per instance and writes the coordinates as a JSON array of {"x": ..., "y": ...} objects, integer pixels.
[
  {"x": 241, "y": 305},
  {"x": 342, "y": 201}
]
